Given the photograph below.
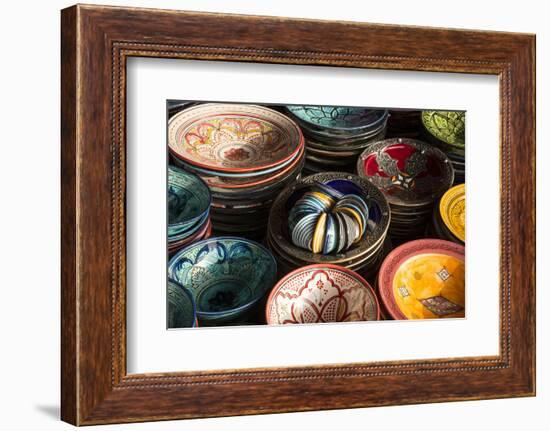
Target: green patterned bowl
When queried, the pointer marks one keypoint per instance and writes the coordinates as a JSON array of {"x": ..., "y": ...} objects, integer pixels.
[
  {"x": 226, "y": 276},
  {"x": 447, "y": 126},
  {"x": 181, "y": 307},
  {"x": 188, "y": 201}
]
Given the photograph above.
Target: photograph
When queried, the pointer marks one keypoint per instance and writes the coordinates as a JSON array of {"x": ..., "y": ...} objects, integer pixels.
[{"x": 287, "y": 214}]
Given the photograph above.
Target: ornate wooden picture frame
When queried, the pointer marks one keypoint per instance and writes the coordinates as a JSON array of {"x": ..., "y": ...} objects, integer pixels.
[{"x": 96, "y": 42}]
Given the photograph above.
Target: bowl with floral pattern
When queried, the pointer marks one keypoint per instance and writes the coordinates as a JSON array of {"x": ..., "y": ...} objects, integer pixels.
[
  {"x": 322, "y": 293},
  {"x": 227, "y": 276}
]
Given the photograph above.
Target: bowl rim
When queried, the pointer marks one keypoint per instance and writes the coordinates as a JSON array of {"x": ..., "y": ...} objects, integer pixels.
[
  {"x": 202, "y": 242},
  {"x": 402, "y": 253},
  {"x": 348, "y": 271},
  {"x": 204, "y": 106}
]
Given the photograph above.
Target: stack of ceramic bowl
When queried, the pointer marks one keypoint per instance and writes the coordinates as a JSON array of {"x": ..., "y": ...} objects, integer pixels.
[
  {"x": 404, "y": 123},
  {"x": 446, "y": 130},
  {"x": 321, "y": 294},
  {"x": 188, "y": 209},
  {"x": 423, "y": 279},
  {"x": 412, "y": 175},
  {"x": 175, "y": 106},
  {"x": 336, "y": 135},
  {"x": 345, "y": 225},
  {"x": 245, "y": 153},
  {"x": 449, "y": 217},
  {"x": 227, "y": 277}
]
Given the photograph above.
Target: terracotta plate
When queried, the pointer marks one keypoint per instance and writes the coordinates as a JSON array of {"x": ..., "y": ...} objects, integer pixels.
[
  {"x": 233, "y": 138},
  {"x": 423, "y": 279}
]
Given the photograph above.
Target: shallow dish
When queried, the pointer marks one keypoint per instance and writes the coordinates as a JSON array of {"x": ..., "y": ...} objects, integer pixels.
[
  {"x": 321, "y": 294},
  {"x": 407, "y": 171},
  {"x": 233, "y": 138},
  {"x": 447, "y": 126},
  {"x": 423, "y": 279},
  {"x": 181, "y": 307},
  {"x": 226, "y": 275}
]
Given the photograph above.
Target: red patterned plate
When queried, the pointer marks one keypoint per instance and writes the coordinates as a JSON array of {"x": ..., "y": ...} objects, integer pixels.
[
  {"x": 407, "y": 171},
  {"x": 233, "y": 138},
  {"x": 321, "y": 294},
  {"x": 423, "y": 279}
]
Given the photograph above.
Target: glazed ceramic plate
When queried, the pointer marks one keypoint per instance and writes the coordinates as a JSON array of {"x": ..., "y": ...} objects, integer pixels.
[
  {"x": 452, "y": 209},
  {"x": 339, "y": 118},
  {"x": 233, "y": 138},
  {"x": 321, "y": 294},
  {"x": 188, "y": 200},
  {"x": 181, "y": 307},
  {"x": 447, "y": 126},
  {"x": 226, "y": 275},
  {"x": 407, "y": 171},
  {"x": 423, "y": 279}
]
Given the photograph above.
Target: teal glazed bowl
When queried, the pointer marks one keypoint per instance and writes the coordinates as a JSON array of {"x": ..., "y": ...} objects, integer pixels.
[
  {"x": 182, "y": 312},
  {"x": 227, "y": 276},
  {"x": 189, "y": 201}
]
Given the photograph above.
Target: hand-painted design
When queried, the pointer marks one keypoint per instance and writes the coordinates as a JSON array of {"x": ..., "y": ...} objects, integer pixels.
[
  {"x": 443, "y": 274},
  {"x": 233, "y": 138},
  {"x": 339, "y": 117},
  {"x": 447, "y": 126},
  {"x": 323, "y": 295},
  {"x": 441, "y": 306},
  {"x": 181, "y": 307},
  {"x": 224, "y": 274},
  {"x": 404, "y": 292},
  {"x": 407, "y": 171},
  {"x": 452, "y": 209}
]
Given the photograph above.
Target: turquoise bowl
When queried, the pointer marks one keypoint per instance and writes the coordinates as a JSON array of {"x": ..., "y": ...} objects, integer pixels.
[
  {"x": 189, "y": 201},
  {"x": 182, "y": 312},
  {"x": 227, "y": 276}
]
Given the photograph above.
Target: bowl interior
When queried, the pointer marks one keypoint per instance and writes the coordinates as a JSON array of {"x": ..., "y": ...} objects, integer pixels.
[
  {"x": 181, "y": 307},
  {"x": 225, "y": 275},
  {"x": 188, "y": 197}
]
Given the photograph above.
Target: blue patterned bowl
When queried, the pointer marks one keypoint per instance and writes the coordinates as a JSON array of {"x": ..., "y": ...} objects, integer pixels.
[
  {"x": 226, "y": 276},
  {"x": 188, "y": 201},
  {"x": 181, "y": 307}
]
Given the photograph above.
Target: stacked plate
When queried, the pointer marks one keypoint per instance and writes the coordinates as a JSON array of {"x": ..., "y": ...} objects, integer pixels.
[
  {"x": 336, "y": 135},
  {"x": 446, "y": 130},
  {"x": 188, "y": 209},
  {"x": 423, "y": 279},
  {"x": 412, "y": 175},
  {"x": 449, "y": 217},
  {"x": 245, "y": 153},
  {"x": 361, "y": 253}
]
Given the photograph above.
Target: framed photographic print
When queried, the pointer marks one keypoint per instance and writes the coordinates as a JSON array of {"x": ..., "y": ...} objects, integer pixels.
[{"x": 264, "y": 208}]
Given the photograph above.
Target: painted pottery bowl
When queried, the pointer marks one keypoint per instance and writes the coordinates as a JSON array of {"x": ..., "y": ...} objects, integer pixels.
[
  {"x": 188, "y": 201},
  {"x": 452, "y": 209},
  {"x": 279, "y": 229},
  {"x": 233, "y": 138},
  {"x": 181, "y": 307},
  {"x": 339, "y": 118},
  {"x": 447, "y": 126},
  {"x": 423, "y": 279},
  {"x": 226, "y": 275},
  {"x": 407, "y": 171},
  {"x": 321, "y": 294}
]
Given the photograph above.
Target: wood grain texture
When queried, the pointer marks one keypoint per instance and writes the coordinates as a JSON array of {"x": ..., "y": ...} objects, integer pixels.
[{"x": 96, "y": 41}]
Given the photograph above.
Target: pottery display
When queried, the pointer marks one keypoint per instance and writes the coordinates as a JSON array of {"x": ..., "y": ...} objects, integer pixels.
[
  {"x": 182, "y": 312},
  {"x": 321, "y": 294}
]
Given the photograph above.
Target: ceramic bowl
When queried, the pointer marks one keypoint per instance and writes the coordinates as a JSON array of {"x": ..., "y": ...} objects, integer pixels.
[
  {"x": 226, "y": 275},
  {"x": 409, "y": 172},
  {"x": 452, "y": 210},
  {"x": 181, "y": 307},
  {"x": 321, "y": 294},
  {"x": 189, "y": 201},
  {"x": 446, "y": 126},
  {"x": 233, "y": 138},
  {"x": 423, "y": 279}
]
